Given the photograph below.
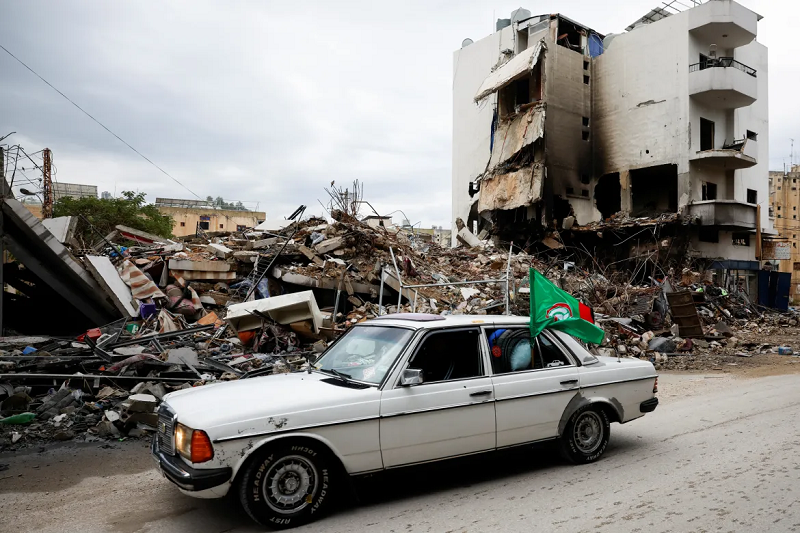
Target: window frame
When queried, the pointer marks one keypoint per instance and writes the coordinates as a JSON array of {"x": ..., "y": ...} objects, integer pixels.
[{"x": 414, "y": 350}]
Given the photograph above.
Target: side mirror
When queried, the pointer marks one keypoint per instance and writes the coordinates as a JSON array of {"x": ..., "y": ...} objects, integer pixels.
[{"x": 411, "y": 376}]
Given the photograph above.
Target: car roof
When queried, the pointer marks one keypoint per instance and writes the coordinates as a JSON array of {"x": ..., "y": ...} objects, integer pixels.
[{"x": 422, "y": 321}]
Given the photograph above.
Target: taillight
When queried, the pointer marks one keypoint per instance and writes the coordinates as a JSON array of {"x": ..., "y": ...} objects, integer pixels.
[
  {"x": 202, "y": 450},
  {"x": 655, "y": 386}
]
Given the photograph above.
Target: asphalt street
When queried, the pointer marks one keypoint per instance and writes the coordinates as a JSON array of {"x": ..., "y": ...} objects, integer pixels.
[{"x": 719, "y": 454}]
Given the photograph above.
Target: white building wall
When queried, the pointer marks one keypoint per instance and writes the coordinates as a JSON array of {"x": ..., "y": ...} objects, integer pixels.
[
  {"x": 641, "y": 100},
  {"x": 756, "y": 118},
  {"x": 472, "y": 123}
]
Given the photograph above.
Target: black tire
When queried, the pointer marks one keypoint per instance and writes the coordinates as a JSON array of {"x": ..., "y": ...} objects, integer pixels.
[
  {"x": 302, "y": 473},
  {"x": 586, "y": 435}
]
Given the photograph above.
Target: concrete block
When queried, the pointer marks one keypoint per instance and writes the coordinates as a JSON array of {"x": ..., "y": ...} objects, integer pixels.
[{"x": 330, "y": 245}]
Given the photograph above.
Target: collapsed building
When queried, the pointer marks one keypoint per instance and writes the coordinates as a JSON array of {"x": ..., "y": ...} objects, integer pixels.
[{"x": 558, "y": 127}]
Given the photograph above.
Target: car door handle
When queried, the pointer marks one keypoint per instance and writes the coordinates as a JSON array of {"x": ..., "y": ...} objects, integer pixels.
[
  {"x": 569, "y": 382},
  {"x": 481, "y": 393}
]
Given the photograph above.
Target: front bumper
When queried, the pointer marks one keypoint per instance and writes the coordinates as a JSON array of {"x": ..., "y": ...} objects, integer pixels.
[
  {"x": 186, "y": 477},
  {"x": 648, "y": 406}
]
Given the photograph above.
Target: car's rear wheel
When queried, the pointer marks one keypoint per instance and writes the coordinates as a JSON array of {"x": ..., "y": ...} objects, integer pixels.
[
  {"x": 586, "y": 435},
  {"x": 287, "y": 485}
]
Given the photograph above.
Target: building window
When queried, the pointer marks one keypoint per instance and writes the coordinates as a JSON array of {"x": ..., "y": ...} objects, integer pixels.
[
  {"x": 203, "y": 225},
  {"x": 585, "y": 65},
  {"x": 585, "y": 179},
  {"x": 586, "y": 121},
  {"x": 752, "y": 196},
  {"x": 709, "y": 191},
  {"x": 740, "y": 239},
  {"x": 183, "y": 224},
  {"x": 585, "y": 193},
  {"x": 586, "y": 80},
  {"x": 779, "y": 208},
  {"x": 240, "y": 227},
  {"x": 753, "y": 136},
  {"x": 708, "y": 234},
  {"x": 706, "y": 135},
  {"x": 779, "y": 187},
  {"x": 221, "y": 226},
  {"x": 796, "y": 266},
  {"x": 585, "y": 135}
]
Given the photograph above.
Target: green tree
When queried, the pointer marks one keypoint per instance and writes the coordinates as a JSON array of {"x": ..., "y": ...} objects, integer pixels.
[{"x": 130, "y": 210}]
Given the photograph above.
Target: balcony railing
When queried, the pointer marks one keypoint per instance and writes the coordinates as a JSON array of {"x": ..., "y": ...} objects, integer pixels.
[{"x": 722, "y": 62}]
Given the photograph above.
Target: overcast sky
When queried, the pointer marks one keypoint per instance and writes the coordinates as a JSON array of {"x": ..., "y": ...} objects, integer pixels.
[{"x": 267, "y": 102}]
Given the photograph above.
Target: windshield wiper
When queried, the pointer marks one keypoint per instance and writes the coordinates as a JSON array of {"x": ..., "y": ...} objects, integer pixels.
[{"x": 341, "y": 375}]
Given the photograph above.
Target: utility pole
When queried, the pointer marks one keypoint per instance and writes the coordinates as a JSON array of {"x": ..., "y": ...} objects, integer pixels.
[{"x": 47, "y": 184}]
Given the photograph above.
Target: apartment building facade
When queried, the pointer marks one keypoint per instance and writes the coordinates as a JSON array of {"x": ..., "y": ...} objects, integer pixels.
[
  {"x": 552, "y": 120},
  {"x": 784, "y": 210}
]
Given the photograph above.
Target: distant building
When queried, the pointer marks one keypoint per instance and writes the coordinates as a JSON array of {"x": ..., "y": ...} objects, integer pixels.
[
  {"x": 105, "y": 195},
  {"x": 784, "y": 204},
  {"x": 374, "y": 221},
  {"x": 189, "y": 215},
  {"x": 73, "y": 190}
]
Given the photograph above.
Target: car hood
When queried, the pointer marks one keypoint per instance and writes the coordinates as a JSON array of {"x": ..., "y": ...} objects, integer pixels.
[{"x": 271, "y": 403}]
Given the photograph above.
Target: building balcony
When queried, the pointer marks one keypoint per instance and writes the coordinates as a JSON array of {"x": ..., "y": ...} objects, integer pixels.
[
  {"x": 735, "y": 156},
  {"x": 723, "y": 83},
  {"x": 724, "y": 23},
  {"x": 724, "y": 213}
]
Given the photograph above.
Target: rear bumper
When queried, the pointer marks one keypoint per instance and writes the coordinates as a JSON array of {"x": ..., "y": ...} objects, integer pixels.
[
  {"x": 186, "y": 477},
  {"x": 648, "y": 406}
]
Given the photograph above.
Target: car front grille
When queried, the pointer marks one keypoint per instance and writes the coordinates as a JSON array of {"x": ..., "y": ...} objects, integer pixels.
[{"x": 166, "y": 421}]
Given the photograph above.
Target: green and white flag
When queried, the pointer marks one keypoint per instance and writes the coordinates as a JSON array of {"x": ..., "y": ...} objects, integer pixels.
[{"x": 552, "y": 308}]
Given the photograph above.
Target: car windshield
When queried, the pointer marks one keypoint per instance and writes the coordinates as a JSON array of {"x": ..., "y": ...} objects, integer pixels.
[{"x": 365, "y": 353}]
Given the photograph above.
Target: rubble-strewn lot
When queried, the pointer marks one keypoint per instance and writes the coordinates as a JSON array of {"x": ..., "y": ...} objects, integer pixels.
[{"x": 218, "y": 307}]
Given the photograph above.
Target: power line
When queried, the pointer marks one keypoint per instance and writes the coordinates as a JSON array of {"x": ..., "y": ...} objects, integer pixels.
[{"x": 123, "y": 141}]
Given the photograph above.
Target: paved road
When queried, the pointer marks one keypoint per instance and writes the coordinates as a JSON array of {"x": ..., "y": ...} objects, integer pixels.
[{"x": 725, "y": 458}]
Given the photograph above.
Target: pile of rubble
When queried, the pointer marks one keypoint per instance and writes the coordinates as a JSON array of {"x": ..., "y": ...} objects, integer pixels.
[{"x": 225, "y": 306}]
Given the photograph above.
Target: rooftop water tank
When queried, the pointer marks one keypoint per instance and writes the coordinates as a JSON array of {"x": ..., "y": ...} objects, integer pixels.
[
  {"x": 502, "y": 23},
  {"x": 520, "y": 14}
]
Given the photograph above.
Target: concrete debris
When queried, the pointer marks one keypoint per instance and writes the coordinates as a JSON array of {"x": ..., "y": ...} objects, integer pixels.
[{"x": 227, "y": 306}]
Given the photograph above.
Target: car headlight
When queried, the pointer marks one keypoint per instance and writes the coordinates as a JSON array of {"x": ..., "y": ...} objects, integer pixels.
[{"x": 193, "y": 444}]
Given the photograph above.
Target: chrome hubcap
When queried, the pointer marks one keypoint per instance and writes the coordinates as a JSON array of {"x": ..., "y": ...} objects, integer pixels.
[
  {"x": 588, "y": 432},
  {"x": 290, "y": 484}
]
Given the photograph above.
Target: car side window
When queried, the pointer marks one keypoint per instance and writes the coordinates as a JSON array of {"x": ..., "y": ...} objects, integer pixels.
[
  {"x": 448, "y": 355},
  {"x": 511, "y": 351},
  {"x": 552, "y": 355}
]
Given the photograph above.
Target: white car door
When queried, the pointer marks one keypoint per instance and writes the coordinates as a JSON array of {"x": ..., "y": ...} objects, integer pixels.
[
  {"x": 532, "y": 387},
  {"x": 451, "y": 412}
]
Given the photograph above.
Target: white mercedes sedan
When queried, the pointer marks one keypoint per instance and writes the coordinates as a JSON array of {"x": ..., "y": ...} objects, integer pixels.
[{"x": 394, "y": 391}]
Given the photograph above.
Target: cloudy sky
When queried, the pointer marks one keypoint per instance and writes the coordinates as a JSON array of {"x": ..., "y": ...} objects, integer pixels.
[{"x": 267, "y": 102}]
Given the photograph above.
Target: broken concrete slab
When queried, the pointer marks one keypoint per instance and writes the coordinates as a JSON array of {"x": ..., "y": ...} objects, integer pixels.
[
  {"x": 283, "y": 309},
  {"x": 263, "y": 243},
  {"x": 309, "y": 253},
  {"x": 36, "y": 248},
  {"x": 182, "y": 356},
  {"x": 62, "y": 228},
  {"x": 467, "y": 238},
  {"x": 106, "y": 275},
  {"x": 140, "y": 403},
  {"x": 330, "y": 245},
  {"x": 221, "y": 251},
  {"x": 201, "y": 270}
]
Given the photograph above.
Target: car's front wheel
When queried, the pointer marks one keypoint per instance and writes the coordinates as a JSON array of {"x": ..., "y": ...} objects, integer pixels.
[
  {"x": 287, "y": 485},
  {"x": 586, "y": 435}
]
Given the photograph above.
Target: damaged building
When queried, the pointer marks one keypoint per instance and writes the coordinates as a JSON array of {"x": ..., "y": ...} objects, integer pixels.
[{"x": 556, "y": 125}]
